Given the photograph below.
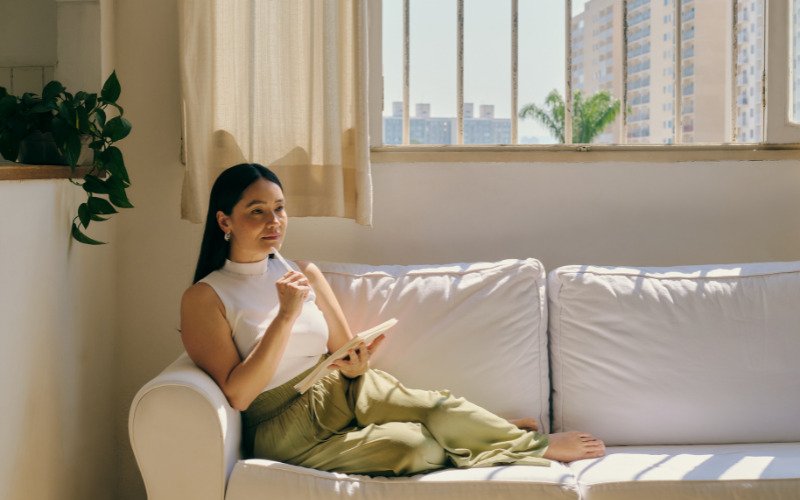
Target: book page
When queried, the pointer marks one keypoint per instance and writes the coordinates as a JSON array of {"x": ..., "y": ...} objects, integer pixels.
[{"x": 367, "y": 336}]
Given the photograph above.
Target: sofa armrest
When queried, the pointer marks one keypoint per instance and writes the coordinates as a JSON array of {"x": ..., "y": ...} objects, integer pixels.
[{"x": 184, "y": 434}]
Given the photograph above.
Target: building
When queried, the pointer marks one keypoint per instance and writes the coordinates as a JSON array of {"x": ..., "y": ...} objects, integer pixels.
[
  {"x": 427, "y": 129},
  {"x": 597, "y": 41}
]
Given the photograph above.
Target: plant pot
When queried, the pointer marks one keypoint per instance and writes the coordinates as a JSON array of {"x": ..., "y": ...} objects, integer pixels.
[{"x": 40, "y": 149}]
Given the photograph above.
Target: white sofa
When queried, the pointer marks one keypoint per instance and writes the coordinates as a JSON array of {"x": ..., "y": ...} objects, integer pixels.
[{"x": 691, "y": 375}]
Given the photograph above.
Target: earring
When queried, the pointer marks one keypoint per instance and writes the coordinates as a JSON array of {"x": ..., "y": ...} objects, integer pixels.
[{"x": 227, "y": 236}]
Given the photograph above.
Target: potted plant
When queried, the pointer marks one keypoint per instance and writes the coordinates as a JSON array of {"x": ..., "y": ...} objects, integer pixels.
[{"x": 73, "y": 123}]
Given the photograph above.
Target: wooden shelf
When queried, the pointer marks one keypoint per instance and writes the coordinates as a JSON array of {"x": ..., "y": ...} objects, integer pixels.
[{"x": 19, "y": 172}]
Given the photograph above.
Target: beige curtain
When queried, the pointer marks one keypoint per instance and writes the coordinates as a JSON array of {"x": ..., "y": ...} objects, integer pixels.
[{"x": 282, "y": 83}]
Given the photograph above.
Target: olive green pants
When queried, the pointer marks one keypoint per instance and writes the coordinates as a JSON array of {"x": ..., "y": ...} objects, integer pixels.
[{"x": 374, "y": 425}]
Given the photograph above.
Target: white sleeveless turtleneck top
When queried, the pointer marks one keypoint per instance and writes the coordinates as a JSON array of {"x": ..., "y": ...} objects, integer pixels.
[{"x": 248, "y": 292}]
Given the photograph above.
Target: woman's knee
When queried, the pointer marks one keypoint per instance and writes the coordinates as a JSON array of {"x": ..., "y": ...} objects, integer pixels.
[{"x": 413, "y": 449}]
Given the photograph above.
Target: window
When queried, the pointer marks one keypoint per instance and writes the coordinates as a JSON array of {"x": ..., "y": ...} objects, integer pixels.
[{"x": 605, "y": 56}]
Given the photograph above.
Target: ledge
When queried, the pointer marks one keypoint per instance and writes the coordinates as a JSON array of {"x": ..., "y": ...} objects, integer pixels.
[
  {"x": 559, "y": 153},
  {"x": 20, "y": 172}
]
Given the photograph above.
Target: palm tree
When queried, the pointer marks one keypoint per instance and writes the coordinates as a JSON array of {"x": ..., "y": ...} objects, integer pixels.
[{"x": 590, "y": 116}]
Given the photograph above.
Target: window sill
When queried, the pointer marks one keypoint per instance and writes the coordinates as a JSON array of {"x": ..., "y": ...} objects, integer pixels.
[
  {"x": 559, "y": 153},
  {"x": 19, "y": 172}
]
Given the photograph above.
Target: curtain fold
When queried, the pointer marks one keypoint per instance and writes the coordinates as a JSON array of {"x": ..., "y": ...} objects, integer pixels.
[{"x": 282, "y": 83}]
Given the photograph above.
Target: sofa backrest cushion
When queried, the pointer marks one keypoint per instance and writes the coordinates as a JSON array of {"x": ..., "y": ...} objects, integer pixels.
[
  {"x": 478, "y": 330},
  {"x": 700, "y": 354}
]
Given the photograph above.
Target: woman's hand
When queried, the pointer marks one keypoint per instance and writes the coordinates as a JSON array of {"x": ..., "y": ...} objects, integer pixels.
[
  {"x": 293, "y": 289},
  {"x": 357, "y": 361}
]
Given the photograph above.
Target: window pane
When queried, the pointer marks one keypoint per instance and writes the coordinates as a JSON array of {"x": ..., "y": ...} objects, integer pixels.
[
  {"x": 487, "y": 72},
  {"x": 541, "y": 67},
  {"x": 749, "y": 71},
  {"x": 597, "y": 72},
  {"x": 392, "y": 34},
  {"x": 796, "y": 60},
  {"x": 433, "y": 71}
]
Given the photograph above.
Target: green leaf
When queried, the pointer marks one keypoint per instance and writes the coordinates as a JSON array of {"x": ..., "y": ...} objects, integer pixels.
[
  {"x": 9, "y": 148},
  {"x": 112, "y": 160},
  {"x": 8, "y": 106},
  {"x": 100, "y": 116},
  {"x": 98, "y": 218},
  {"x": 73, "y": 149},
  {"x": 111, "y": 88},
  {"x": 81, "y": 96},
  {"x": 79, "y": 236},
  {"x": 92, "y": 184},
  {"x": 51, "y": 90},
  {"x": 117, "y": 128},
  {"x": 117, "y": 194},
  {"x": 41, "y": 108},
  {"x": 97, "y": 144},
  {"x": 67, "y": 113},
  {"x": 100, "y": 206},
  {"x": 84, "y": 214},
  {"x": 91, "y": 101},
  {"x": 61, "y": 131},
  {"x": 3, "y": 92},
  {"x": 83, "y": 120}
]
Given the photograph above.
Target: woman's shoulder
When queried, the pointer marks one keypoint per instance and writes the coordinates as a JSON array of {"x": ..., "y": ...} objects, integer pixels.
[{"x": 201, "y": 294}]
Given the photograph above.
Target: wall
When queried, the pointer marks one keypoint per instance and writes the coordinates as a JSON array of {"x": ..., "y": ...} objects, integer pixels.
[
  {"x": 56, "y": 348},
  {"x": 27, "y": 44},
  {"x": 57, "y": 297},
  {"x": 627, "y": 214}
]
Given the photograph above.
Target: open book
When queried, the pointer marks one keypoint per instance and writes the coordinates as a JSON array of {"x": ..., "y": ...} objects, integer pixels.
[{"x": 367, "y": 336}]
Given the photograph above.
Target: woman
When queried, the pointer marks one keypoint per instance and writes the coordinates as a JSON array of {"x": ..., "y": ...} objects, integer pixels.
[{"x": 257, "y": 330}]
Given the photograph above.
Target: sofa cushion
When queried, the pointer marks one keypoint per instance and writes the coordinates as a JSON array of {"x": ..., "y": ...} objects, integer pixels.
[
  {"x": 743, "y": 471},
  {"x": 477, "y": 329},
  {"x": 252, "y": 478},
  {"x": 683, "y": 355}
]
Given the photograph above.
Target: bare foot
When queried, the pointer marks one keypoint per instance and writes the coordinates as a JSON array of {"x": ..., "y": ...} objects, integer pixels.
[
  {"x": 527, "y": 424},
  {"x": 570, "y": 446}
]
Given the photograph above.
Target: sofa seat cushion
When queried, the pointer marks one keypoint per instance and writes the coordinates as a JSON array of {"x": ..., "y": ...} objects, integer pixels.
[
  {"x": 257, "y": 478},
  {"x": 681, "y": 355},
  {"x": 476, "y": 329},
  {"x": 740, "y": 471}
]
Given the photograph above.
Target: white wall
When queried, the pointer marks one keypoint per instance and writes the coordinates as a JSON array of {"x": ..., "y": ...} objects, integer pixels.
[
  {"x": 29, "y": 36},
  {"x": 56, "y": 348},
  {"x": 57, "y": 304},
  {"x": 633, "y": 214}
]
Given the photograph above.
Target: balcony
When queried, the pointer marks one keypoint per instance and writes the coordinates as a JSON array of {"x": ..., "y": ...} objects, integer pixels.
[
  {"x": 638, "y": 18},
  {"x": 635, "y": 4},
  {"x": 639, "y": 34},
  {"x": 641, "y": 82},
  {"x": 687, "y": 15},
  {"x": 641, "y": 49},
  {"x": 688, "y": 71},
  {"x": 635, "y": 68},
  {"x": 688, "y": 89},
  {"x": 687, "y": 34},
  {"x": 640, "y": 99}
]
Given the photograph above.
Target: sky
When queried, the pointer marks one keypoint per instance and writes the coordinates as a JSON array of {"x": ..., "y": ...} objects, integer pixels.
[{"x": 487, "y": 55}]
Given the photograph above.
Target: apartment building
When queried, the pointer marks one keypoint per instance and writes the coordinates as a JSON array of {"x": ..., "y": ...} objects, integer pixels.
[{"x": 706, "y": 87}]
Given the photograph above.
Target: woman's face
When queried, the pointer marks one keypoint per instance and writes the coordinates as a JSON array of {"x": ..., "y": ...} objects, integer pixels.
[{"x": 257, "y": 223}]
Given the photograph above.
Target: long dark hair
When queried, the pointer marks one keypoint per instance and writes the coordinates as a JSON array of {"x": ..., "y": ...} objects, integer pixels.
[{"x": 226, "y": 192}]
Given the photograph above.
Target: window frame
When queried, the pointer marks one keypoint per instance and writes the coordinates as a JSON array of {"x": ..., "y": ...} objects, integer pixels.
[{"x": 781, "y": 134}]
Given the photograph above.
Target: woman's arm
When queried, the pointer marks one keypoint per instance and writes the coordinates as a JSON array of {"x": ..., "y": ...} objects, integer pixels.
[
  {"x": 208, "y": 341},
  {"x": 338, "y": 329}
]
